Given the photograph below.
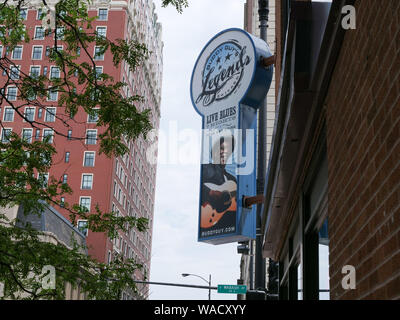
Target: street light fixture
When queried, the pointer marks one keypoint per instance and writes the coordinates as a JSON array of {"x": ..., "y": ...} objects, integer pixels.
[{"x": 209, "y": 281}]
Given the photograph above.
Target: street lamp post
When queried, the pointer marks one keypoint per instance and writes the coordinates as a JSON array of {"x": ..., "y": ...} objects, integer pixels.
[{"x": 209, "y": 281}]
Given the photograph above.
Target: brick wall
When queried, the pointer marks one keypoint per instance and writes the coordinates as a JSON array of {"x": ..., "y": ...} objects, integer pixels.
[{"x": 363, "y": 139}]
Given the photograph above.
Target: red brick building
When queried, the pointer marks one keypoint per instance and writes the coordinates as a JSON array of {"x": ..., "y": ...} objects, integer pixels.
[
  {"x": 332, "y": 211},
  {"x": 125, "y": 185}
]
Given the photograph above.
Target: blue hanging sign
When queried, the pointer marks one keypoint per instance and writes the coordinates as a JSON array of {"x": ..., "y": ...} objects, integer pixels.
[{"x": 228, "y": 84}]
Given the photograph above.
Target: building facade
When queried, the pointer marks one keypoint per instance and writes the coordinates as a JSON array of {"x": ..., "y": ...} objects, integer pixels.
[
  {"x": 55, "y": 229},
  {"x": 125, "y": 185},
  {"x": 251, "y": 25},
  {"x": 332, "y": 195}
]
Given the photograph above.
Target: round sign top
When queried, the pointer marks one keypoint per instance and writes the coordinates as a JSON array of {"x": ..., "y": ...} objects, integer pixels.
[{"x": 223, "y": 72}]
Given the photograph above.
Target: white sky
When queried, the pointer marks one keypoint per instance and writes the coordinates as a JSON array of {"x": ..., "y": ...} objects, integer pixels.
[{"x": 175, "y": 249}]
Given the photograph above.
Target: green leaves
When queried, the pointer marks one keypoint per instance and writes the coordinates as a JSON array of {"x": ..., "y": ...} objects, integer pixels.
[
  {"x": 178, "y": 4},
  {"x": 109, "y": 222},
  {"x": 12, "y": 28},
  {"x": 133, "y": 52},
  {"x": 24, "y": 165}
]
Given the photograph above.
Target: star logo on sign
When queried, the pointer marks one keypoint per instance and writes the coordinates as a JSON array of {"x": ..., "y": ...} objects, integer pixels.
[
  {"x": 228, "y": 56},
  {"x": 218, "y": 60}
]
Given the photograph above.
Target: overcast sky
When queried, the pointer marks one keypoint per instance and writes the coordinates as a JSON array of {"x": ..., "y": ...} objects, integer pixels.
[{"x": 175, "y": 249}]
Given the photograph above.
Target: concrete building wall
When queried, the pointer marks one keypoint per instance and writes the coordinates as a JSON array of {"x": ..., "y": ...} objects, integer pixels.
[{"x": 56, "y": 230}]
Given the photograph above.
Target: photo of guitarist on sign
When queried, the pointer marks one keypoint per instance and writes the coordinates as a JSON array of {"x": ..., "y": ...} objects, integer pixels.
[{"x": 218, "y": 191}]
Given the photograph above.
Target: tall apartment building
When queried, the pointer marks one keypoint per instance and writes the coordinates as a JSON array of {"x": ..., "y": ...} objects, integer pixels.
[
  {"x": 125, "y": 185},
  {"x": 251, "y": 25}
]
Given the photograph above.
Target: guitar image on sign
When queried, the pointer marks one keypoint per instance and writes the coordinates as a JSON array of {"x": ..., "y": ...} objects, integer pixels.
[{"x": 221, "y": 199}]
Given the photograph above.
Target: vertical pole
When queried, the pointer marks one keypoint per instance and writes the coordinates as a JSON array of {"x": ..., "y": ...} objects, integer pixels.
[
  {"x": 251, "y": 276},
  {"x": 209, "y": 290},
  {"x": 263, "y": 10}
]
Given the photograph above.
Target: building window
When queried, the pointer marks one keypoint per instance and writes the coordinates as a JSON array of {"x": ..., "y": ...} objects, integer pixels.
[
  {"x": 67, "y": 156},
  {"x": 94, "y": 117},
  {"x": 39, "y": 14},
  {"x": 59, "y": 33},
  {"x": 65, "y": 178},
  {"x": 44, "y": 70},
  {"x": 12, "y": 93},
  {"x": 40, "y": 112},
  {"x": 23, "y": 13},
  {"x": 91, "y": 136},
  {"x": 39, "y": 33},
  {"x": 17, "y": 53},
  {"x": 323, "y": 261},
  {"x": 43, "y": 179},
  {"x": 27, "y": 135},
  {"x": 98, "y": 53},
  {"x": 8, "y": 115},
  {"x": 313, "y": 228},
  {"x": 50, "y": 115},
  {"x": 87, "y": 181},
  {"x": 34, "y": 72},
  {"x": 83, "y": 227},
  {"x": 45, "y": 160},
  {"x": 124, "y": 247},
  {"x": 53, "y": 95},
  {"x": 69, "y": 135},
  {"x": 98, "y": 72},
  {"x": 37, "y": 134},
  {"x": 48, "y": 133},
  {"x": 58, "y": 48},
  {"x": 84, "y": 202},
  {"x": 47, "y": 51},
  {"x": 62, "y": 202},
  {"x": 5, "y": 135},
  {"x": 103, "y": 14},
  {"x": 54, "y": 73},
  {"x": 14, "y": 72},
  {"x": 101, "y": 32},
  {"x": 88, "y": 159}
]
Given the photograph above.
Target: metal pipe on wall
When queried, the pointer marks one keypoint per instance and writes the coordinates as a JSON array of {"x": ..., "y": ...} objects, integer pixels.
[{"x": 259, "y": 281}]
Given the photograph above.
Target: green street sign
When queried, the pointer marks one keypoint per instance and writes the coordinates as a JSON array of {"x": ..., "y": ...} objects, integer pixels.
[{"x": 232, "y": 288}]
